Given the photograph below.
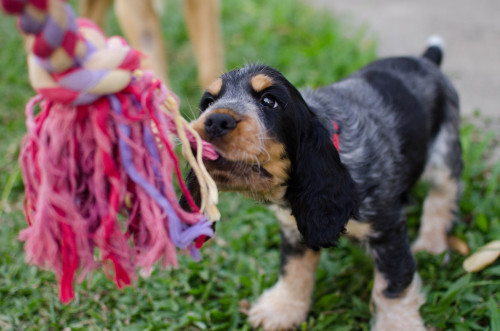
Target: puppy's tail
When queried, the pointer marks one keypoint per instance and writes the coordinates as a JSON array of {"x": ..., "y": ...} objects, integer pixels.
[{"x": 434, "y": 51}]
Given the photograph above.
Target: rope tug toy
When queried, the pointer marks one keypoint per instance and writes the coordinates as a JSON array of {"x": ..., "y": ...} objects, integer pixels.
[{"x": 97, "y": 160}]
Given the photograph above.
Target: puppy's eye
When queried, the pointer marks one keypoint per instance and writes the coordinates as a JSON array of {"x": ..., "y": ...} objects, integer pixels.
[
  {"x": 269, "y": 102},
  {"x": 206, "y": 102}
]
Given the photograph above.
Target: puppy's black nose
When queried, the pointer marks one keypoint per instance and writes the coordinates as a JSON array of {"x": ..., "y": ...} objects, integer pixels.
[{"x": 219, "y": 124}]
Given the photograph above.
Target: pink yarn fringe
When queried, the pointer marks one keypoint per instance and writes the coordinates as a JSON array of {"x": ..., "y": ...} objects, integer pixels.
[{"x": 78, "y": 194}]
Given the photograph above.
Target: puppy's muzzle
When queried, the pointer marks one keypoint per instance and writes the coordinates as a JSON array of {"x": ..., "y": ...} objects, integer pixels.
[{"x": 219, "y": 124}]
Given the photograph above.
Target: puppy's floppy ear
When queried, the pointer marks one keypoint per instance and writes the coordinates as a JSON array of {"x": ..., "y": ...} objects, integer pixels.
[{"x": 320, "y": 191}]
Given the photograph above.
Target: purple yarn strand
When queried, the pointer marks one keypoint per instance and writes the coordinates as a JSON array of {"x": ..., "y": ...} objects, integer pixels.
[
  {"x": 195, "y": 253},
  {"x": 53, "y": 33},
  {"x": 29, "y": 24},
  {"x": 86, "y": 99},
  {"x": 181, "y": 238},
  {"x": 82, "y": 80},
  {"x": 70, "y": 18}
]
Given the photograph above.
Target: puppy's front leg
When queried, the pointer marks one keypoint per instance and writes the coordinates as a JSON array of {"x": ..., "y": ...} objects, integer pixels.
[
  {"x": 396, "y": 290},
  {"x": 286, "y": 304}
]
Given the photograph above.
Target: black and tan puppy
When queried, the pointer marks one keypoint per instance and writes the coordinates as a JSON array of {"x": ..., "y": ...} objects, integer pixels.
[{"x": 396, "y": 120}]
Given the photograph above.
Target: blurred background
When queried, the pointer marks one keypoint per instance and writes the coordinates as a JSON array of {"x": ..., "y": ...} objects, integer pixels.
[
  {"x": 313, "y": 42},
  {"x": 471, "y": 33}
]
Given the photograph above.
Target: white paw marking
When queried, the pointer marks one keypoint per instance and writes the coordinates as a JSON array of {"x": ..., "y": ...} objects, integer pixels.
[
  {"x": 398, "y": 314},
  {"x": 434, "y": 244},
  {"x": 279, "y": 309}
]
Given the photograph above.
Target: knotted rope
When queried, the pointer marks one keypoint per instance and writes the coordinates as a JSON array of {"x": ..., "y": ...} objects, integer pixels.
[{"x": 97, "y": 160}]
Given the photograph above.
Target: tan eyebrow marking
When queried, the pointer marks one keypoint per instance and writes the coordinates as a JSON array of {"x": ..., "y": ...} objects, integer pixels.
[
  {"x": 215, "y": 87},
  {"x": 260, "y": 82}
]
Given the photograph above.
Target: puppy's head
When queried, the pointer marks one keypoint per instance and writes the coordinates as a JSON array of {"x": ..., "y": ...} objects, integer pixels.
[
  {"x": 240, "y": 115},
  {"x": 273, "y": 148}
]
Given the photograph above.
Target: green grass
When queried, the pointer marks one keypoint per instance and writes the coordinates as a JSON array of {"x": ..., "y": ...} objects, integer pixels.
[{"x": 312, "y": 49}]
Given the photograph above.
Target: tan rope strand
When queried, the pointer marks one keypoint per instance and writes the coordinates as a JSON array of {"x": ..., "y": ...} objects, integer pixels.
[
  {"x": 211, "y": 186},
  {"x": 192, "y": 161},
  {"x": 208, "y": 189}
]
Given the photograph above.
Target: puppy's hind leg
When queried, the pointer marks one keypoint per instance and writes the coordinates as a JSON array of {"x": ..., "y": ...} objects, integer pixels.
[
  {"x": 285, "y": 305},
  {"x": 440, "y": 206}
]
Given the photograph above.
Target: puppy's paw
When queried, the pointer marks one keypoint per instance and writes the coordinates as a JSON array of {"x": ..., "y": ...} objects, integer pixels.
[
  {"x": 401, "y": 313},
  {"x": 401, "y": 324},
  {"x": 278, "y": 308},
  {"x": 434, "y": 244}
]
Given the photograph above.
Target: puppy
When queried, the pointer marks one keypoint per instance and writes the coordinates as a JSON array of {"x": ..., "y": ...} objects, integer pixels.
[{"x": 341, "y": 159}]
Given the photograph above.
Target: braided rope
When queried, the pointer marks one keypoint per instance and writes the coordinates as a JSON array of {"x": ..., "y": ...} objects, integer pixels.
[
  {"x": 99, "y": 150},
  {"x": 70, "y": 60}
]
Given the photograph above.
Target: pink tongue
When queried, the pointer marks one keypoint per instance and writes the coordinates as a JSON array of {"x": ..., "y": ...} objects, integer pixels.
[{"x": 209, "y": 152}]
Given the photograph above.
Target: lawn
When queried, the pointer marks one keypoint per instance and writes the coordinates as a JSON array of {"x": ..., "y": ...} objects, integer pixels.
[{"x": 312, "y": 49}]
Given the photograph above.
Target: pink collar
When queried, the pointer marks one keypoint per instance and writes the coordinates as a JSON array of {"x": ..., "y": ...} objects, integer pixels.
[{"x": 335, "y": 135}]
